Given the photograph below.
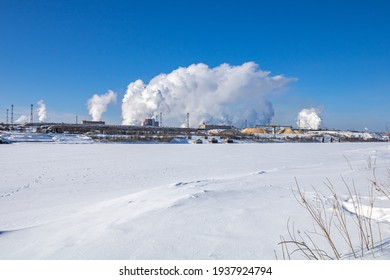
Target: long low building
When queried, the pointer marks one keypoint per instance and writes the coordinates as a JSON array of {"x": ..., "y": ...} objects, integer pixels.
[
  {"x": 94, "y": 122},
  {"x": 113, "y": 129},
  {"x": 205, "y": 126}
]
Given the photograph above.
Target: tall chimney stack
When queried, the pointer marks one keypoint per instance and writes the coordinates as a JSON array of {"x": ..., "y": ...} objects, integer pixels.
[
  {"x": 12, "y": 114},
  {"x": 32, "y": 114}
]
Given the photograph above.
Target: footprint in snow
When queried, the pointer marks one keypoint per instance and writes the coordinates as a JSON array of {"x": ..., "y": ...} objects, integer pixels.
[
  {"x": 260, "y": 172},
  {"x": 179, "y": 184}
]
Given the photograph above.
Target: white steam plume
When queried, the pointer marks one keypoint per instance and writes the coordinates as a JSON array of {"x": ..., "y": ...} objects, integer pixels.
[
  {"x": 224, "y": 94},
  {"x": 22, "y": 119},
  {"x": 309, "y": 118},
  {"x": 97, "y": 105},
  {"x": 42, "y": 115}
]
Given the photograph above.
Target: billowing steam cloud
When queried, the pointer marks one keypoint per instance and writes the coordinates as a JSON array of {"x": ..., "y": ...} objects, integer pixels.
[
  {"x": 97, "y": 105},
  {"x": 22, "y": 119},
  {"x": 41, "y": 111},
  {"x": 224, "y": 94},
  {"x": 309, "y": 118}
]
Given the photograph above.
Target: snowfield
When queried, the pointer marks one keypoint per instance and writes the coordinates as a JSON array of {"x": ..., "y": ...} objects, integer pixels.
[{"x": 170, "y": 201}]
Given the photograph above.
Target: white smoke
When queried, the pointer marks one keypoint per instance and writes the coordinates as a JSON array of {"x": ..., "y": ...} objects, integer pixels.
[
  {"x": 97, "y": 105},
  {"x": 42, "y": 115},
  {"x": 22, "y": 119},
  {"x": 224, "y": 94},
  {"x": 309, "y": 118}
]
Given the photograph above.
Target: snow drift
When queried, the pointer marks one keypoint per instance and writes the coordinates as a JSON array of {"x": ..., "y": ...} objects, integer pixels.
[{"x": 110, "y": 201}]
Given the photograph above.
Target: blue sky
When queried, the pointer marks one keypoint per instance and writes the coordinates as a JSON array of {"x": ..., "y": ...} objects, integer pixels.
[{"x": 65, "y": 51}]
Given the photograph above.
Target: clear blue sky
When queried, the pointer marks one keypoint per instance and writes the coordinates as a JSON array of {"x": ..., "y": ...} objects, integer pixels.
[{"x": 65, "y": 51}]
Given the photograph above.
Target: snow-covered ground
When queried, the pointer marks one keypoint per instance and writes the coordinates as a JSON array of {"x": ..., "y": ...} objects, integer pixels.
[
  {"x": 23, "y": 137},
  {"x": 167, "y": 201}
]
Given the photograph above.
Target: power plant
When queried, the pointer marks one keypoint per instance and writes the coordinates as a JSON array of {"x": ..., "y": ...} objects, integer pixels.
[
  {"x": 222, "y": 102},
  {"x": 151, "y": 130}
]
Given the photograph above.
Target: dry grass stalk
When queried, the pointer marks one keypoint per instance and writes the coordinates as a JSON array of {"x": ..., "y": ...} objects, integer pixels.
[{"x": 325, "y": 220}]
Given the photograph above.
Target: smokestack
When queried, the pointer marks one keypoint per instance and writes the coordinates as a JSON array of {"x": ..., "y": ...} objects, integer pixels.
[
  {"x": 12, "y": 114},
  {"x": 7, "y": 116},
  {"x": 161, "y": 119},
  {"x": 188, "y": 120},
  {"x": 32, "y": 114}
]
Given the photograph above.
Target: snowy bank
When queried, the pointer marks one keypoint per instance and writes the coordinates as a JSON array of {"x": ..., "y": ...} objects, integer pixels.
[{"x": 108, "y": 201}]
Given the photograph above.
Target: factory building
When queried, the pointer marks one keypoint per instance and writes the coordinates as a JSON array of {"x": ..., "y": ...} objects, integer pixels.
[
  {"x": 150, "y": 122},
  {"x": 85, "y": 122},
  {"x": 215, "y": 126}
]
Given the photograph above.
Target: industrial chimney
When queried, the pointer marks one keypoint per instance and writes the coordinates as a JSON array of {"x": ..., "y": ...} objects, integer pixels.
[
  {"x": 12, "y": 114},
  {"x": 32, "y": 114}
]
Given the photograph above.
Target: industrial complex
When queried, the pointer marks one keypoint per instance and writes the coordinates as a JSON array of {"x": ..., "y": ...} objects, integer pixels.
[{"x": 152, "y": 131}]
